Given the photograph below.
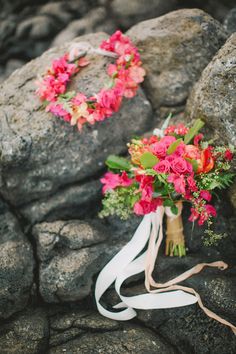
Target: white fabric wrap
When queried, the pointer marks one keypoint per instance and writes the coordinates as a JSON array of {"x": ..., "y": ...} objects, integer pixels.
[{"x": 127, "y": 263}]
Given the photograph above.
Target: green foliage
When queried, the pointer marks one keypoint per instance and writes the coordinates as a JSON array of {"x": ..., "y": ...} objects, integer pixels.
[
  {"x": 148, "y": 160},
  {"x": 193, "y": 163},
  {"x": 173, "y": 146},
  {"x": 68, "y": 95},
  {"x": 193, "y": 131},
  {"x": 211, "y": 238},
  {"x": 120, "y": 202},
  {"x": 118, "y": 163},
  {"x": 214, "y": 180}
]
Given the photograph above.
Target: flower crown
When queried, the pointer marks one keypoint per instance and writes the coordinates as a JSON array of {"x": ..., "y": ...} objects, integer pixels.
[{"x": 125, "y": 76}]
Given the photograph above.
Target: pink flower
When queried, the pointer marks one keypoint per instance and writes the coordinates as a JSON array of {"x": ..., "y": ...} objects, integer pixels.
[
  {"x": 205, "y": 195},
  {"x": 146, "y": 186},
  {"x": 162, "y": 166},
  {"x": 181, "y": 129},
  {"x": 211, "y": 211},
  {"x": 168, "y": 140},
  {"x": 125, "y": 181},
  {"x": 58, "y": 110},
  {"x": 194, "y": 215},
  {"x": 112, "y": 180},
  {"x": 180, "y": 150},
  {"x": 178, "y": 181},
  {"x": 192, "y": 184},
  {"x": 159, "y": 149},
  {"x": 109, "y": 100},
  {"x": 179, "y": 165},
  {"x": 79, "y": 98},
  {"x": 145, "y": 207},
  {"x": 137, "y": 74}
]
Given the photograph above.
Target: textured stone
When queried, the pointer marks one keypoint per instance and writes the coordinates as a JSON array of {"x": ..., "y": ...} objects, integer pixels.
[
  {"x": 175, "y": 48},
  {"x": 27, "y": 333},
  {"x": 53, "y": 153},
  {"x": 73, "y": 234},
  {"x": 71, "y": 202},
  {"x": 230, "y": 21},
  {"x": 96, "y": 20},
  {"x": 131, "y": 339},
  {"x": 126, "y": 15},
  {"x": 69, "y": 276},
  {"x": 16, "y": 265},
  {"x": 213, "y": 97},
  {"x": 70, "y": 254},
  {"x": 188, "y": 328}
]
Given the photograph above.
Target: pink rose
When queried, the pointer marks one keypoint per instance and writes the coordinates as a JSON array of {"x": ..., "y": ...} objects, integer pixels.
[
  {"x": 162, "y": 166},
  {"x": 179, "y": 165},
  {"x": 159, "y": 149},
  {"x": 167, "y": 140}
]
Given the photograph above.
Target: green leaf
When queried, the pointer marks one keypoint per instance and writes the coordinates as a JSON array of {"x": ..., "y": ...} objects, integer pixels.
[
  {"x": 168, "y": 203},
  {"x": 151, "y": 172},
  {"x": 118, "y": 163},
  {"x": 193, "y": 163},
  {"x": 174, "y": 209},
  {"x": 173, "y": 146},
  {"x": 148, "y": 160},
  {"x": 68, "y": 95},
  {"x": 193, "y": 131}
]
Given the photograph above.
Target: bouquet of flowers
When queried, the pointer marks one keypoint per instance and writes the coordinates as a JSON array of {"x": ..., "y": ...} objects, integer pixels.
[{"x": 172, "y": 166}]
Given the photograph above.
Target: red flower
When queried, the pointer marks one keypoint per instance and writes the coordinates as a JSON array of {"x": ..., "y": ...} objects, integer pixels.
[
  {"x": 206, "y": 162},
  {"x": 228, "y": 155}
]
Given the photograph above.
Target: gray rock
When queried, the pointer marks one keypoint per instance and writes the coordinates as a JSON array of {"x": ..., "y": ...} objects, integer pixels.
[
  {"x": 96, "y": 20},
  {"x": 213, "y": 97},
  {"x": 70, "y": 254},
  {"x": 132, "y": 339},
  {"x": 188, "y": 328},
  {"x": 52, "y": 152},
  {"x": 69, "y": 275},
  {"x": 16, "y": 265},
  {"x": 137, "y": 10},
  {"x": 230, "y": 21},
  {"x": 27, "y": 333},
  {"x": 73, "y": 235},
  {"x": 36, "y": 27},
  {"x": 70, "y": 202},
  {"x": 175, "y": 48},
  {"x": 73, "y": 323},
  {"x": 191, "y": 331},
  {"x": 60, "y": 11}
]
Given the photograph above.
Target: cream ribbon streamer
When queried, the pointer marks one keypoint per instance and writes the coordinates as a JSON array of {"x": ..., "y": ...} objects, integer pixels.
[{"x": 127, "y": 263}]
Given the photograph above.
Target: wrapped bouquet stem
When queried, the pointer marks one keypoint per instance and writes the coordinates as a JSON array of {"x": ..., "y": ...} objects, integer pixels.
[
  {"x": 170, "y": 167},
  {"x": 175, "y": 243}
]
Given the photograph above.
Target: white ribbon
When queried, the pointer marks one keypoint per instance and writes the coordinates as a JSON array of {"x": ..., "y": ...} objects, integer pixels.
[
  {"x": 126, "y": 263},
  {"x": 78, "y": 50}
]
